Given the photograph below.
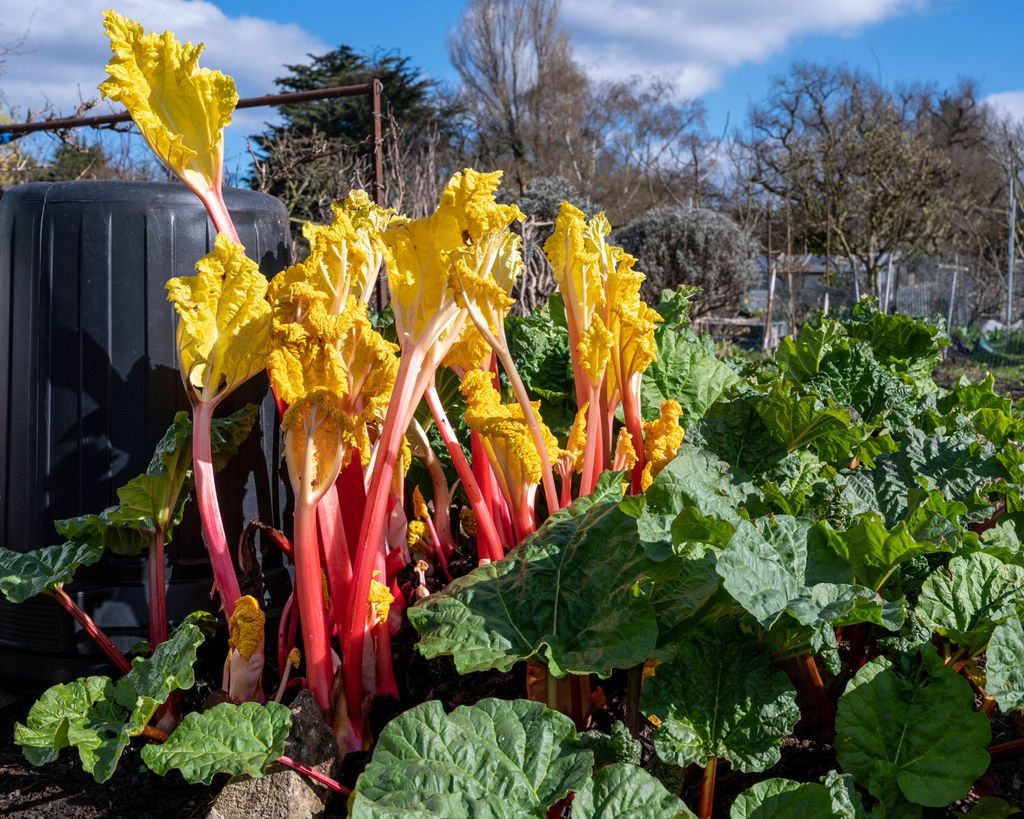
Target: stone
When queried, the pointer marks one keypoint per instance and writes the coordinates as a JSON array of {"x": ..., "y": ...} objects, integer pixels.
[{"x": 284, "y": 793}]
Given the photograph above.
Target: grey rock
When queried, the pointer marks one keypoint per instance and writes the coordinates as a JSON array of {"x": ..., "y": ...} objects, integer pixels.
[{"x": 283, "y": 793}]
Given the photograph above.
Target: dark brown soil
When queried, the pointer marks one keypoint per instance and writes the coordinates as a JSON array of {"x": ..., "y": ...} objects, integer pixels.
[{"x": 63, "y": 790}]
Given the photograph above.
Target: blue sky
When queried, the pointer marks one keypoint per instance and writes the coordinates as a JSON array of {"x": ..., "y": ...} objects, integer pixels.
[{"x": 723, "y": 51}]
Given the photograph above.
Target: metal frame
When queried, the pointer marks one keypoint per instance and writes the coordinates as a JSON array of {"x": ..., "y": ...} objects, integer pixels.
[{"x": 371, "y": 89}]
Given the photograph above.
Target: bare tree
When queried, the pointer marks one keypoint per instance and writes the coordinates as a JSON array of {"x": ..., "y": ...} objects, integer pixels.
[
  {"x": 852, "y": 160},
  {"x": 632, "y": 143}
]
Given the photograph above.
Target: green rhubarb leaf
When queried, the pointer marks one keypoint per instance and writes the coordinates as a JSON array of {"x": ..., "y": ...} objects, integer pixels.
[
  {"x": 45, "y": 732},
  {"x": 801, "y": 422},
  {"x": 850, "y": 376},
  {"x": 100, "y": 717},
  {"x": 540, "y": 349},
  {"x": 619, "y": 746},
  {"x": 497, "y": 758},
  {"x": 154, "y": 501},
  {"x": 783, "y": 565},
  {"x": 906, "y": 729},
  {"x": 565, "y": 597},
  {"x": 227, "y": 434},
  {"x": 967, "y": 396},
  {"x": 24, "y": 575},
  {"x": 873, "y": 551},
  {"x": 229, "y": 738},
  {"x": 909, "y": 347},
  {"x": 964, "y": 600},
  {"x": 801, "y": 357},
  {"x": 1005, "y": 540},
  {"x": 622, "y": 791},
  {"x": 686, "y": 370},
  {"x": 692, "y": 500},
  {"x": 784, "y": 799},
  {"x": 674, "y": 306},
  {"x": 1005, "y": 665},
  {"x": 152, "y": 679},
  {"x": 734, "y": 432},
  {"x": 720, "y": 697},
  {"x": 691, "y": 596}
]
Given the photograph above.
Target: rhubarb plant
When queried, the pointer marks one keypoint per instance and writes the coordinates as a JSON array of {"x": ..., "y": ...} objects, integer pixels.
[{"x": 591, "y": 501}]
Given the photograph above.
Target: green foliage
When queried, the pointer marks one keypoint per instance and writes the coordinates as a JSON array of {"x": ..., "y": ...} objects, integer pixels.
[
  {"x": 784, "y": 798},
  {"x": 229, "y": 738},
  {"x": 155, "y": 501},
  {"x": 495, "y": 758},
  {"x": 686, "y": 370},
  {"x": 24, "y": 575},
  {"x": 565, "y": 596},
  {"x": 967, "y": 598},
  {"x": 906, "y": 731},
  {"x": 621, "y": 791},
  {"x": 1004, "y": 665},
  {"x": 98, "y": 716},
  {"x": 720, "y": 697}
]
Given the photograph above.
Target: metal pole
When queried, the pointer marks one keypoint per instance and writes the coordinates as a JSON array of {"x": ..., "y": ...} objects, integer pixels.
[
  {"x": 378, "y": 174},
  {"x": 1011, "y": 248},
  {"x": 952, "y": 293},
  {"x": 65, "y": 123},
  {"x": 888, "y": 286}
]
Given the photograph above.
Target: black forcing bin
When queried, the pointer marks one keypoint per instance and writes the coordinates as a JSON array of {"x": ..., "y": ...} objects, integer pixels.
[{"x": 89, "y": 384}]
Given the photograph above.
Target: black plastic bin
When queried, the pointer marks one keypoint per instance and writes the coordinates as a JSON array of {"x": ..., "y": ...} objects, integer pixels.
[{"x": 89, "y": 384}]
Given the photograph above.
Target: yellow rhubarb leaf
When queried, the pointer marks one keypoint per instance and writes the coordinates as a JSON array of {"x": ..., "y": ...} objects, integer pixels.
[
  {"x": 419, "y": 505},
  {"x": 380, "y": 600},
  {"x": 223, "y": 321},
  {"x": 318, "y": 435},
  {"x": 180, "y": 108},
  {"x": 662, "y": 438},
  {"x": 506, "y": 437},
  {"x": 422, "y": 255},
  {"x": 625, "y": 452},
  {"x": 246, "y": 627}
]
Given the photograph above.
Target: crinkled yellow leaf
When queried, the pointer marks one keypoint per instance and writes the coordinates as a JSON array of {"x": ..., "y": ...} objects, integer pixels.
[
  {"x": 419, "y": 505},
  {"x": 506, "y": 436},
  {"x": 574, "y": 257},
  {"x": 662, "y": 438},
  {"x": 625, "y": 452},
  {"x": 318, "y": 432},
  {"x": 380, "y": 599},
  {"x": 224, "y": 320},
  {"x": 417, "y": 532},
  {"x": 422, "y": 252},
  {"x": 180, "y": 108},
  {"x": 245, "y": 627},
  {"x": 595, "y": 349},
  {"x": 575, "y": 447},
  {"x": 467, "y": 517}
]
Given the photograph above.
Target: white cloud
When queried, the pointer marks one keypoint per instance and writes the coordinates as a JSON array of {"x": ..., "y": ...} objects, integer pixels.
[
  {"x": 64, "y": 49},
  {"x": 696, "y": 41},
  {"x": 1008, "y": 104}
]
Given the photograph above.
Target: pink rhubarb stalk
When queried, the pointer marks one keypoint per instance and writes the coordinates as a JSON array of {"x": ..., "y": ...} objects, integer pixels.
[
  {"x": 97, "y": 634},
  {"x": 157, "y": 590},
  {"x": 209, "y": 509},
  {"x": 488, "y": 541}
]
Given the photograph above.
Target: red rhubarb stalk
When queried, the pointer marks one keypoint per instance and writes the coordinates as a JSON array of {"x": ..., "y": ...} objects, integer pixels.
[
  {"x": 157, "y": 590},
  {"x": 707, "y": 789},
  {"x": 337, "y": 562},
  {"x": 95, "y": 632},
  {"x": 209, "y": 510},
  {"x": 488, "y": 541},
  {"x": 309, "y": 591},
  {"x": 410, "y": 385}
]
